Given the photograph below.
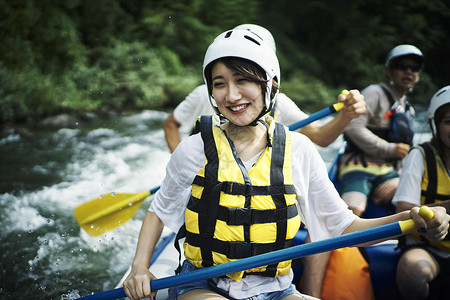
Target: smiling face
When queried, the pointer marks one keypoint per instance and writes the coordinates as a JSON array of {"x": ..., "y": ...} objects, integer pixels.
[
  {"x": 239, "y": 99},
  {"x": 404, "y": 73}
]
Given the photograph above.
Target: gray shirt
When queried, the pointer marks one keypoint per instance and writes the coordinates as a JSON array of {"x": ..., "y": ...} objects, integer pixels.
[{"x": 376, "y": 150}]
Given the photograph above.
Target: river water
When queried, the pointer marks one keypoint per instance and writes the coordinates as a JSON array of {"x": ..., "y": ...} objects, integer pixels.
[{"x": 45, "y": 174}]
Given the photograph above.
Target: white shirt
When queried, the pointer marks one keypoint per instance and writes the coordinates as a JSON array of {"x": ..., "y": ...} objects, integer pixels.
[
  {"x": 319, "y": 204},
  {"x": 197, "y": 104},
  {"x": 408, "y": 189}
]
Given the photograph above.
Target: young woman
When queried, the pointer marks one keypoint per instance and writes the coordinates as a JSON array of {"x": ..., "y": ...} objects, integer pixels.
[
  {"x": 425, "y": 180},
  {"x": 242, "y": 188}
]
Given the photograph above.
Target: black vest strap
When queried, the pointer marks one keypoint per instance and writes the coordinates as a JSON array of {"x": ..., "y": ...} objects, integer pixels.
[
  {"x": 248, "y": 216},
  {"x": 388, "y": 94},
  {"x": 181, "y": 234},
  {"x": 430, "y": 193},
  {"x": 234, "y": 250},
  {"x": 236, "y": 188},
  {"x": 277, "y": 180},
  {"x": 207, "y": 221}
]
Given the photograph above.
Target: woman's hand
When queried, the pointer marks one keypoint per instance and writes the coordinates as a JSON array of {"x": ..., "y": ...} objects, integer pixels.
[
  {"x": 354, "y": 104},
  {"x": 137, "y": 284},
  {"x": 435, "y": 229}
]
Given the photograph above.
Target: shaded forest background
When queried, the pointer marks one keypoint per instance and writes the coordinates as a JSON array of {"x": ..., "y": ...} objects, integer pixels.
[{"x": 78, "y": 56}]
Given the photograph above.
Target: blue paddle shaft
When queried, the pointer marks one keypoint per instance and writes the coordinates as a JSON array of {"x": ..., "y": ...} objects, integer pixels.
[
  {"x": 154, "y": 190},
  {"x": 351, "y": 239},
  {"x": 315, "y": 116},
  {"x": 355, "y": 238}
]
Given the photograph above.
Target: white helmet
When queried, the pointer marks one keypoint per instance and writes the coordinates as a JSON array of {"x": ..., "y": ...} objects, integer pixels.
[
  {"x": 439, "y": 99},
  {"x": 404, "y": 50},
  {"x": 262, "y": 32},
  {"x": 247, "y": 45}
]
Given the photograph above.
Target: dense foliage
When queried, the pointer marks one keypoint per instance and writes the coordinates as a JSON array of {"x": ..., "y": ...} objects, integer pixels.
[{"x": 77, "y": 55}]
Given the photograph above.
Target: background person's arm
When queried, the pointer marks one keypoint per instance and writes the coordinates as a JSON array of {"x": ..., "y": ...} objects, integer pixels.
[
  {"x": 172, "y": 132},
  {"x": 324, "y": 135}
]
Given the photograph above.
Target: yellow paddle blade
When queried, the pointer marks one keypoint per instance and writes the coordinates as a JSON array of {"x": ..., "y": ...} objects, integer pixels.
[{"x": 109, "y": 211}]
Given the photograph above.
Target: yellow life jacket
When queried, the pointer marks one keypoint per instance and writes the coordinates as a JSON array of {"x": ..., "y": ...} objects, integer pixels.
[
  {"x": 435, "y": 186},
  {"x": 234, "y": 213}
]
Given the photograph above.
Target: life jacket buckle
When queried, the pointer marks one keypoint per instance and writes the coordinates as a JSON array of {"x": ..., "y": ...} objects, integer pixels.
[
  {"x": 277, "y": 189},
  {"x": 239, "y": 216},
  {"x": 238, "y": 250},
  {"x": 248, "y": 190}
]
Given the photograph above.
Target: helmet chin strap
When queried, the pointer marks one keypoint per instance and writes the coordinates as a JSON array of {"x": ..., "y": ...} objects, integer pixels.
[
  {"x": 267, "y": 105},
  {"x": 433, "y": 127}
]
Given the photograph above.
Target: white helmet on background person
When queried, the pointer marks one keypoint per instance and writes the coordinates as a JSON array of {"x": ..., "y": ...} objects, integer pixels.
[
  {"x": 441, "y": 98},
  {"x": 404, "y": 50},
  {"x": 247, "y": 45},
  {"x": 262, "y": 32}
]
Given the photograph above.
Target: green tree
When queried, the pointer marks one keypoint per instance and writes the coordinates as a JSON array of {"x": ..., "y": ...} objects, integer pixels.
[{"x": 78, "y": 55}]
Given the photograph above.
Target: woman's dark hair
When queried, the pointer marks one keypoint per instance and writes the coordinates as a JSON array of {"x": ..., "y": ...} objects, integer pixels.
[
  {"x": 435, "y": 141},
  {"x": 245, "y": 68}
]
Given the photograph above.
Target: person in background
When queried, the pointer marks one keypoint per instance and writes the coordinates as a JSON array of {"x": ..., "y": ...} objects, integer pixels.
[
  {"x": 181, "y": 121},
  {"x": 377, "y": 141},
  {"x": 225, "y": 167},
  {"x": 425, "y": 180}
]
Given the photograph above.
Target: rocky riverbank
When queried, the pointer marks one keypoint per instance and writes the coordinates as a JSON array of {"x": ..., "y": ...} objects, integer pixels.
[{"x": 58, "y": 121}]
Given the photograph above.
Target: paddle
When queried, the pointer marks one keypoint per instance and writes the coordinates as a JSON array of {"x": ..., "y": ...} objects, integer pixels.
[
  {"x": 318, "y": 115},
  {"x": 346, "y": 240},
  {"x": 109, "y": 211}
]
